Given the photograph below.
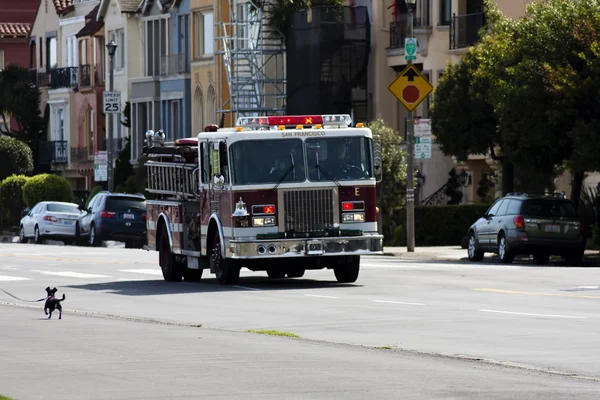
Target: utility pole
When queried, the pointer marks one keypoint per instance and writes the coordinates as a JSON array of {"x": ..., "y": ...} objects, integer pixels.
[
  {"x": 410, "y": 154},
  {"x": 111, "y": 47}
]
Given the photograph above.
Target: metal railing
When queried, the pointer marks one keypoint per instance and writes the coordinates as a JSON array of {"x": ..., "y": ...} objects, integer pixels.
[
  {"x": 176, "y": 179},
  {"x": 63, "y": 78},
  {"x": 173, "y": 64},
  {"x": 464, "y": 29},
  {"x": 81, "y": 155},
  {"x": 54, "y": 152}
]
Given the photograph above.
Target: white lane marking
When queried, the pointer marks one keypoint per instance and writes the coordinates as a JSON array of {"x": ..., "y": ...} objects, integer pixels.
[
  {"x": 71, "y": 274},
  {"x": 533, "y": 315},
  {"x": 9, "y": 267},
  {"x": 6, "y": 278},
  {"x": 321, "y": 296},
  {"x": 398, "y": 302},
  {"x": 143, "y": 271},
  {"x": 244, "y": 287}
]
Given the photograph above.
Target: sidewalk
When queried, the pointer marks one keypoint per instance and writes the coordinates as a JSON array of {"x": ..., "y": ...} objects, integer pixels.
[{"x": 440, "y": 253}]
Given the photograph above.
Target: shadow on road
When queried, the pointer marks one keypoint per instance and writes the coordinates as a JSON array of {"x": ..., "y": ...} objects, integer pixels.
[{"x": 209, "y": 285}]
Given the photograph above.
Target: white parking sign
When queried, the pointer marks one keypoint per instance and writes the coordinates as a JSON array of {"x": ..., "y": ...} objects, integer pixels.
[{"x": 112, "y": 103}]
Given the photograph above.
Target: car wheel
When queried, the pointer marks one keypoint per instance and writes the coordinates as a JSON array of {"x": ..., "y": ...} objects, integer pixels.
[
  {"x": 22, "y": 237},
  {"x": 37, "y": 238},
  {"x": 93, "y": 240},
  {"x": 575, "y": 258},
  {"x": 506, "y": 256},
  {"x": 473, "y": 249}
]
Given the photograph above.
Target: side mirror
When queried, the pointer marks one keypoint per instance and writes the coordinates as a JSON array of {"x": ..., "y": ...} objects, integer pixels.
[{"x": 25, "y": 212}]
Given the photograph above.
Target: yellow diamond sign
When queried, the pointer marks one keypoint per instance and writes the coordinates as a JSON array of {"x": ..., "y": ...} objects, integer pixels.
[{"x": 411, "y": 88}]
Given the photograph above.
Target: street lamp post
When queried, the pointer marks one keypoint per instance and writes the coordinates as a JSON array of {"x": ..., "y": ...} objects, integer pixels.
[
  {"x": 111, "y": 48},
  {"x": 410, "y": 190}
]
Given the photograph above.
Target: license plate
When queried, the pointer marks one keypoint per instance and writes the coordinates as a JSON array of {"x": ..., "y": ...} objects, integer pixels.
[
  {"x": 128, "y": 216},
  {"x": 68, "y": 222},
  {"x": 314, "y": 247},
  {"x": 553, "y": 228}
]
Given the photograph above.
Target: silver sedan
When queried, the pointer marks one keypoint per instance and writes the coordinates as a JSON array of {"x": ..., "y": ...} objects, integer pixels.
[{"x": 50, "y": 220}]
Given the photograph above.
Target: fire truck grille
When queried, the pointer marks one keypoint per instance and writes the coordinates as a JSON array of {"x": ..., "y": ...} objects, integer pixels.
[{"x": 308, "y": 210}]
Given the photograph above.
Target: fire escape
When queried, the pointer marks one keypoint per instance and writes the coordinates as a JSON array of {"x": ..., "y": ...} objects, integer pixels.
[{"x": 250, "y": 55}]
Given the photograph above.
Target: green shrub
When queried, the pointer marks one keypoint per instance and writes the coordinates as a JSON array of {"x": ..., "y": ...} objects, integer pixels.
[
  {"x": 95, "y": 191},
  {"x": 16, "y": 158},
  {"x": 46, "y": 187},
  {"x": 11, "y": 198},
  {"x": 435, "y": 226}
]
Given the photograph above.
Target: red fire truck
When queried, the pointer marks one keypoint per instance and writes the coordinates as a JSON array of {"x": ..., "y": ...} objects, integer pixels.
[{"x": 280, "y": 194}]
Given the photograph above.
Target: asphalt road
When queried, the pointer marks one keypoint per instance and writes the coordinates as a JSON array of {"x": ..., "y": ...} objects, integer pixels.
[{"x": 537, "y": 318}]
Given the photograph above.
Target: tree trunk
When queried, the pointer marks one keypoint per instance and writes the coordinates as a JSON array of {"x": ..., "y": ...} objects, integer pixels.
[
  {"x": 508, "y": 177},
  {"x": 576, "y": 185}
]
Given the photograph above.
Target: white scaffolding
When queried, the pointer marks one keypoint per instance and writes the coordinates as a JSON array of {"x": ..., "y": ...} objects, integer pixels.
[{"x": 250, "y": 56}]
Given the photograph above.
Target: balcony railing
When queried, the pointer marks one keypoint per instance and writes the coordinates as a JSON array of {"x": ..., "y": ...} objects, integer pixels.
[
  {"x": 63, "y": 78},
  {"x": 86, "y": 74},
  {"x": 81, "y": 155},
  {"x": 464, "y": 30},
  {"x": 173, "y": 64},
  {"x": 54, "y": 152}
]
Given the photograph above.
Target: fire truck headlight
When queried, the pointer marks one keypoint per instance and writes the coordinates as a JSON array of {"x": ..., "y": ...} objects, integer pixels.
[
  {"x": 353, "y": 217},
  {"x": 263, "y": 221}
]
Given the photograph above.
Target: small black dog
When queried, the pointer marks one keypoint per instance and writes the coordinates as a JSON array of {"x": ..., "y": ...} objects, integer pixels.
[{"x": 53, "y": 303}]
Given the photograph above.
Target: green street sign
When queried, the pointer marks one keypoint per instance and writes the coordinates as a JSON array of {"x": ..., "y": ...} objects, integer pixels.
[
  {"x": 417, "y": 140},
  {"x": 410, "y": 49}
]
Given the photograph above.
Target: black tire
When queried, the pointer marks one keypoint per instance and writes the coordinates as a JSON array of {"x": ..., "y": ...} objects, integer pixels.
[
  {"x": 541, "y": 259},
  {"x": 276, "y": 273},
  {"x": 227, "y": 271},
  {"x": 22, "y": 238},
  {"x": 504, "y": 253},
  {"x": 347, "y": 272},
  {"x": 93, "y": 239},
  {"x": 78, "y": 239},
  {"x": 473, "y": 251},
  {"x": 295, "y": 272},
  {"x": 575, "y": 258},
  {"x": 172, "y": 270},
  {"x": 192, "y": 275},
  {"x": 37, "y": 236}
]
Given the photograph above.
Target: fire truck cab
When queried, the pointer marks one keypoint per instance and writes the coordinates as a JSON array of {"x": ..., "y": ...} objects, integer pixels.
[{"x": 280, "y": 194}]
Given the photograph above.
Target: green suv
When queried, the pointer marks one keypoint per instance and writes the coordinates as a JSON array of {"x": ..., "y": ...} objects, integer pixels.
[{"x": 519, "y": 223}]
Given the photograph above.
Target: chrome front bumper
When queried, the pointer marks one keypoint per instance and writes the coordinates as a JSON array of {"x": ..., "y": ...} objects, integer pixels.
[{"x": 284, "y": 248}]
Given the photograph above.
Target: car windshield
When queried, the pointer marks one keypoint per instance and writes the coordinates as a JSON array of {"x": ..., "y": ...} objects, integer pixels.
[
  {"x": 125, "y": 203},
  {"x": 339, "y": 158},
  {"x": 63, "y": 208},
  {"x": 548, "y": 208},
  {"x": 267, "y": 161}
]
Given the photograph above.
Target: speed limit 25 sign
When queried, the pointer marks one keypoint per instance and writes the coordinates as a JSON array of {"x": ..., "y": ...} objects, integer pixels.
[{"x": 112, "y": 103}]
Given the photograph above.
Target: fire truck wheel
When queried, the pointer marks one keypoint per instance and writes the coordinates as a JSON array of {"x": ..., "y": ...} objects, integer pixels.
[
  {"x": 192, "y": 275},
  {"x": 227, "y": 271},
  {"x": 347, "y": 271},
  {"x": 276, "y": 273},
  {"x": 172, "y": 270},
  {"x": 295, "y": 272}
]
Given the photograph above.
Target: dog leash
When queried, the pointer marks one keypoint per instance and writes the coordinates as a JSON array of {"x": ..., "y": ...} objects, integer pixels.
[{"x": 29, "y": 301}]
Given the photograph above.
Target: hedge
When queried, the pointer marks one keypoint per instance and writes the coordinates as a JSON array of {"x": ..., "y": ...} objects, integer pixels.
[
  {"x": 15, "y": 157},
  {"x": 434, "y": 226},
  {"x": 47, "y": 187},
  {"x": 11, "y": 197}
]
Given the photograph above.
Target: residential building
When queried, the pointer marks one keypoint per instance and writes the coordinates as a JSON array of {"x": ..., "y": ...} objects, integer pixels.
[
  {"x": 16, "y": 20},
  {"x": 444, "y": 29},
  {"x": 160, "y": 86},
  {"x": 203, "y": 84}
]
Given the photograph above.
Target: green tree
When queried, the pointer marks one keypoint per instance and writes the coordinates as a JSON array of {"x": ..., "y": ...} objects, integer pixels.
[
  {"x": 393, "y": 161},
  {"x": 123, "y": 167},
  {"x": 11, "y": 197},
  {"x": 15, "y": 158},
  {"x": 46, "y": 187}
]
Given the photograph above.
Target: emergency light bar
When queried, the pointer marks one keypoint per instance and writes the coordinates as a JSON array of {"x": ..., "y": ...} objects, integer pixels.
[{"x": 291, "y": 120}]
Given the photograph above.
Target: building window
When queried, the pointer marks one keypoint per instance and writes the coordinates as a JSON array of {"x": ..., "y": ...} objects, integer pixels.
[
  {"x": 157, "y": 39},
  {"x": 60, "y": 134},
  {"x": 175, "y": 118},
  {"x": 1, "y": 59},
  {"x": 211, "y": 104},
  {"x": 203, "y": 34},
  {"x": 71, "y": 59},
  {"x": 51, "y": 59},
  {"x": 90, "y": 131},
  {"x": 445, "y": 12},
  {"x": 118, "y": 37}
]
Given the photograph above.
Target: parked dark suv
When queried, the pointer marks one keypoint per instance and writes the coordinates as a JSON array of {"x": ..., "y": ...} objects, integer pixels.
[
  {"x": 528, "y": 224},
  {"x": 114, "y": 216}
]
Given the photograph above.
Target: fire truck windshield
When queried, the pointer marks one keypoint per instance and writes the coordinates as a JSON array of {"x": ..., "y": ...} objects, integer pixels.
[
  {"x": 341, "y": 158},
  {"x": 267, "y": 161}
]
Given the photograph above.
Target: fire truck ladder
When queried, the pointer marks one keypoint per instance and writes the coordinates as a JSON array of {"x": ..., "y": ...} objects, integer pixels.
[
  {"x": 173, "y": 179},
  {"x": 251, "y": 57}
]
